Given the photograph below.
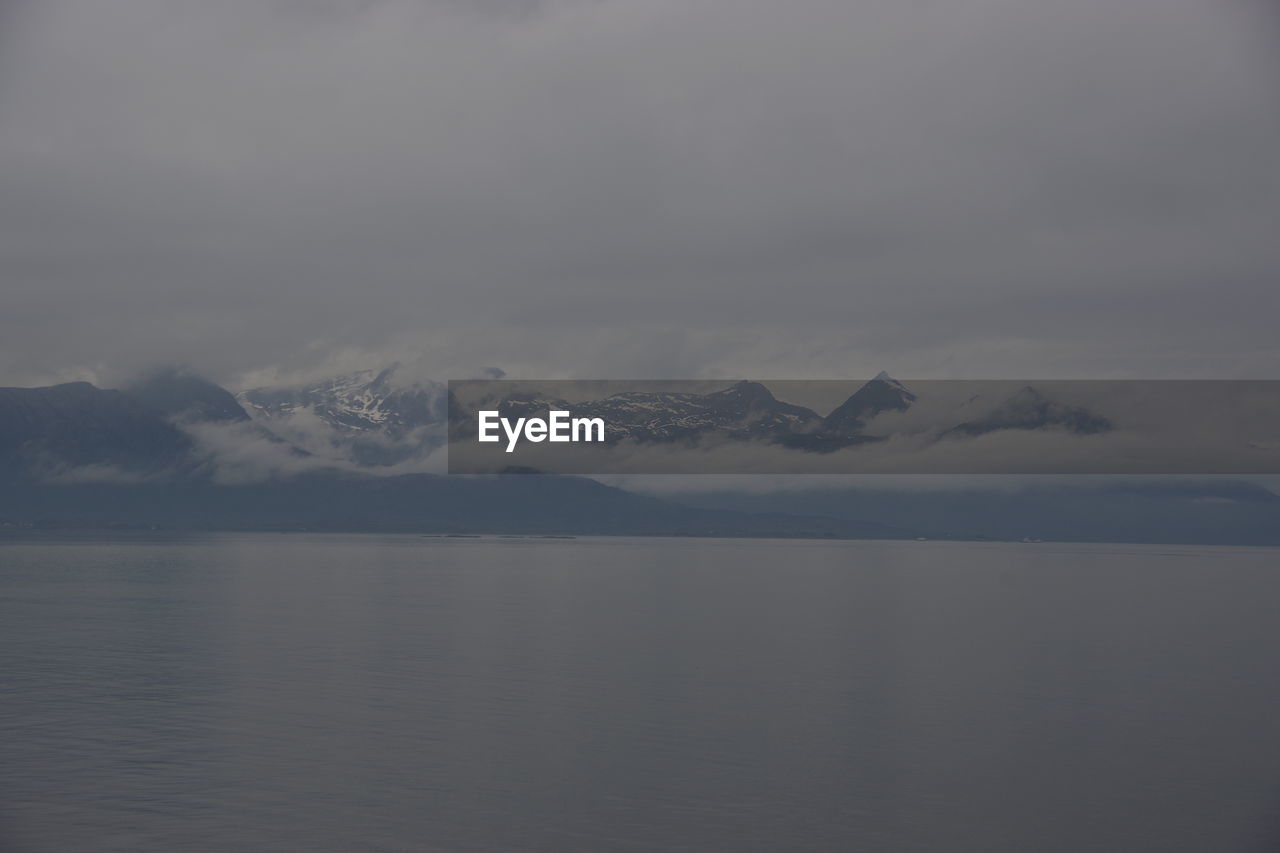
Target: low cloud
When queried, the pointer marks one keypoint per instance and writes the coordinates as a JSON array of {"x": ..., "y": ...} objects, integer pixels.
[{"x": 238, "y": 453}]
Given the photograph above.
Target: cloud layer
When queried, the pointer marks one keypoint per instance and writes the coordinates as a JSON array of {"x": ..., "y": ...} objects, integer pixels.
[{"x": 722, "y": 188}]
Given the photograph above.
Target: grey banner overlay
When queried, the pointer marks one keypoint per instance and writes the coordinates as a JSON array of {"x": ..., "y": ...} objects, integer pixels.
[{"x": 882, "y": 426}]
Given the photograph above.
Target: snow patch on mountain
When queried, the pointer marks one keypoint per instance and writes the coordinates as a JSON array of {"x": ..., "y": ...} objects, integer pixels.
[{"x": 367, "y": 417}]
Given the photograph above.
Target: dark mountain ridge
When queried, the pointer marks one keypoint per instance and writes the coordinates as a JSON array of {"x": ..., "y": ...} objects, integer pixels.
[{"x": 49, "y": 430}]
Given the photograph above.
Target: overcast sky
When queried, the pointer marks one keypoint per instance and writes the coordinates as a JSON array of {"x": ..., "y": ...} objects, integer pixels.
[{"x": 640, "y": 188}]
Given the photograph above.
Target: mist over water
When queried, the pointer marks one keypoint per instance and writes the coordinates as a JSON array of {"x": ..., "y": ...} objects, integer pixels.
[{"x": 338, "y": 693}]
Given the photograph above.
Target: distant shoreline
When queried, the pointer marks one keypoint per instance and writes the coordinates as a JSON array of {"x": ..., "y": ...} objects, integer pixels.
[{"x": 68, "y": 534}]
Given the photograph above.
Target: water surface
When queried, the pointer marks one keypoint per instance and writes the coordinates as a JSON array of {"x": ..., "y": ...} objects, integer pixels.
[{"x": 373, "y": 693}]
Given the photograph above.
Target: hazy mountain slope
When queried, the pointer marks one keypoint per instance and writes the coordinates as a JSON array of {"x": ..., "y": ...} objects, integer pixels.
[
  {"x": 51, "y": 430},
  {"x": 1028, "y": 409},
  {"x": 186, "y": 396}
]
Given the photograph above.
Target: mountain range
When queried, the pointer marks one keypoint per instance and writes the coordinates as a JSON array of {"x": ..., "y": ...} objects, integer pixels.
[
  {"x": 154, "y": 454},
  {"x": 77, "y": 456},
  {"x": 368, "y": 420}
]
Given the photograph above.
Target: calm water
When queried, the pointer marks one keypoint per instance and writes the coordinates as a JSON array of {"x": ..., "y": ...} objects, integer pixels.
[{"x": 364, "y": 693}]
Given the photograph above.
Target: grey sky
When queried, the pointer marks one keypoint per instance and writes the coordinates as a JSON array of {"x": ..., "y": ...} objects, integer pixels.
[{"x": 666, "y": 188}]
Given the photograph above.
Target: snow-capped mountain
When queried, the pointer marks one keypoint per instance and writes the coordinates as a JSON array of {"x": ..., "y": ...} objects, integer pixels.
[{"x": 366, "y": 417}]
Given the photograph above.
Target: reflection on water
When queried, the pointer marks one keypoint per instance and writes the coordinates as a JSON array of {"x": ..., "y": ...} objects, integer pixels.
[{"x": 364, "y": 693}]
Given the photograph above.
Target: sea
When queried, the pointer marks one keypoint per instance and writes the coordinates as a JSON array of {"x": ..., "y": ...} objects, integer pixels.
[{"x": 327, "y": 692}]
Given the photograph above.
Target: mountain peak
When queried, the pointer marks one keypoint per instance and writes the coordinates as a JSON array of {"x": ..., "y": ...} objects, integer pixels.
[{"x": 882, "y": 394}]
